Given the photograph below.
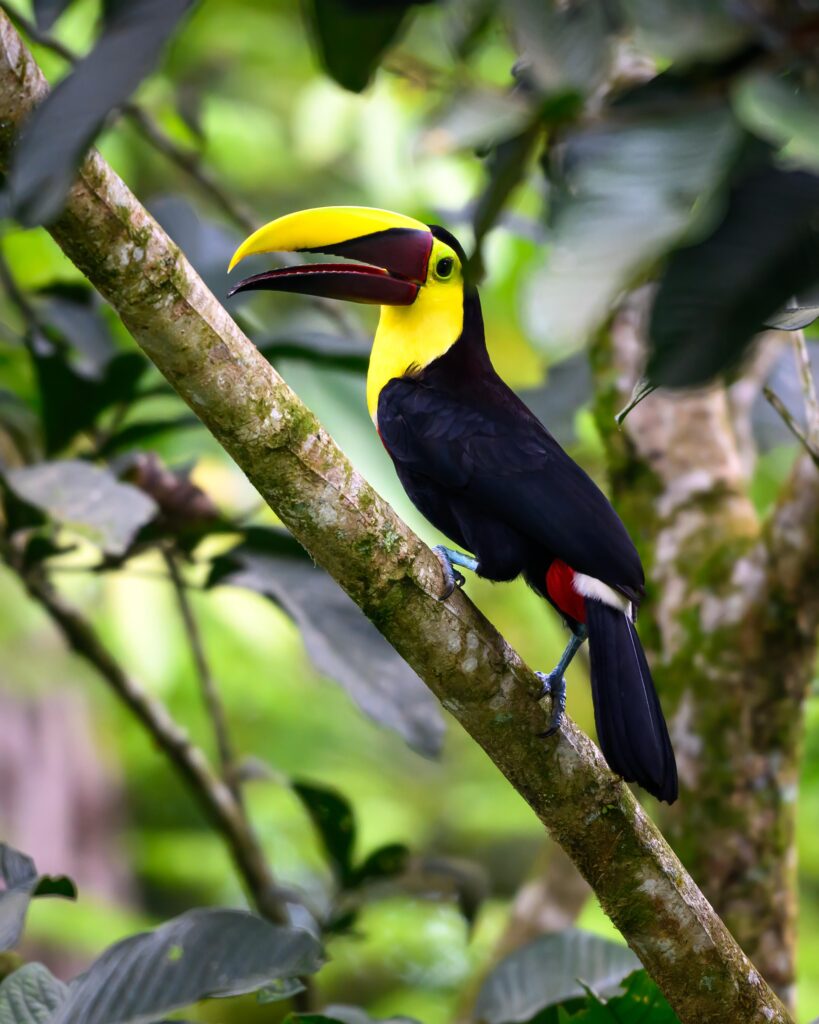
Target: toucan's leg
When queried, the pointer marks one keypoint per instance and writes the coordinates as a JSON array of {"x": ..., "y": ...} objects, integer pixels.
[
  {"x": 555, "y": 684},
  {"x": 449, "y": 559}
]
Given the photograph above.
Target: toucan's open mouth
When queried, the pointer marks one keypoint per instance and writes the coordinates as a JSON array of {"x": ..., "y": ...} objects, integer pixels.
[{"x": 393, "y": 251}]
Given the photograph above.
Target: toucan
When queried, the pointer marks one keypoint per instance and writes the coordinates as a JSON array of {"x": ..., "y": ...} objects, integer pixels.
[{"x": 478, "y": 464}]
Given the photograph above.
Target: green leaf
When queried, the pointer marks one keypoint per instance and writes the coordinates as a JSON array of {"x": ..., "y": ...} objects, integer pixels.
[
  {"x": 136, "y": 434},
  {"x": 385, "y": 862},
  {"x": 340, "y": 641},
  {"x": 783, "y": 110},
  {"x": 202, "y": 954},
  {"x": 476, "y": 119},
  {"x": 30, "y": 995},
  {"x": 333, "y": 818},
  {"x": 87, "y": 499},
  {"x": 47, "y": 12},
  {"x": 689, "y": 31},
  {"x": 714, "y": 296},
  {"x": 341, "y": 1014},
  {"x": 71, "y": 398},
  {"x": 62, "y": 128},
  {"x": 550, "y": 970},
  {"x": 630, "y": 190},
  {"x": 21, "y": 883},
  {"x": 506, "y": 167},
  {"x": 640, "y": 1002},
  {"x": 564, "y": 47},
  {"x": 353, "y": 35}
]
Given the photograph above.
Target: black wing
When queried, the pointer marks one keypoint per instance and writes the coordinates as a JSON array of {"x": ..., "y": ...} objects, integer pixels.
[{"x": 496, "y": 453}]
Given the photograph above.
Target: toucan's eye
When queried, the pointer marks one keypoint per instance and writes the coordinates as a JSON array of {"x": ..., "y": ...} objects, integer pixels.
[{"x": 444, "y": 268}]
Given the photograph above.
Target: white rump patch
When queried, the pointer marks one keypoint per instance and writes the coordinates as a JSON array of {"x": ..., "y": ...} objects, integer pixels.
[{"x": 588, "y": 586}]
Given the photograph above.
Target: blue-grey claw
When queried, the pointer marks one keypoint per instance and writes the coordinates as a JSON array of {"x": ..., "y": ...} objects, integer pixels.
[
  {"x": 452, "y": 578},
  {"x": 554, "y": 686}
]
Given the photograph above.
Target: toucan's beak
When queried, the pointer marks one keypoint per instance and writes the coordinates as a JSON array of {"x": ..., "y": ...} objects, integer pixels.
[{"x": 395, "y": 248}]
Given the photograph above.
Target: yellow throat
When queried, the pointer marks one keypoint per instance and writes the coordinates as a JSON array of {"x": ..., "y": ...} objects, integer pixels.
[{"x": 411, "y": 337}]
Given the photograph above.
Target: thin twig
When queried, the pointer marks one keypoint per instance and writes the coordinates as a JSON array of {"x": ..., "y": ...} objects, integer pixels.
[
  {"x": 207, "y": 684},
  {"x": 791, "y": 423},
  {"x": 212, "y": 793},
  {"x": 189, "y": 161},
  {"x": 803, "y": 365}
]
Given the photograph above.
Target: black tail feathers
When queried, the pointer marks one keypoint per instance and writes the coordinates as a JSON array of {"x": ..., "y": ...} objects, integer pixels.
[{"x": 631, "y": 729}]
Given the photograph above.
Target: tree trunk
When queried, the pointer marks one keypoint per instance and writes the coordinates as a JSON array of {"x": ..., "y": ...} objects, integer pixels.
[{"x": 730, "y": 621}]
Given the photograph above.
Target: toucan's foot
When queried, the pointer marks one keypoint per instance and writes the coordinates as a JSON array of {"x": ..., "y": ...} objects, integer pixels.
[
  {"x": 554, "y": 686},
  {"x": 448, "y": 559}
]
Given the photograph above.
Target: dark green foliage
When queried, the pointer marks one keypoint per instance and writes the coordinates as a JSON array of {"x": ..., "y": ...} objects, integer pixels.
[
  {"x": 61, "y": 130},
  {"x": 552, "y": 969},
  {"x": 21, "y": 883},
  {"x": 30, "y": 995},
  {"x": 333, "y": 818},
  {"x": 353, "y": 35},
  {"x": 201, "y": 954},
  {"x": 714, "y": 296}
]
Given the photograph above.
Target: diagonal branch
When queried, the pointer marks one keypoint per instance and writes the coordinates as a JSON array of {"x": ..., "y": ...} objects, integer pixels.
[
  {"x": 213, "y": 794},
  {"x": 395, "y": 579}
]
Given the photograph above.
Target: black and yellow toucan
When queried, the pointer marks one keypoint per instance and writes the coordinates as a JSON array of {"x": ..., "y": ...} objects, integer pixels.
[{"x": 478, "y": 464}]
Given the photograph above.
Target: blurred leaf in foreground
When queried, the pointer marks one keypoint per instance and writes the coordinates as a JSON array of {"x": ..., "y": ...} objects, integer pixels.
[
  {"x": 551, "y": 969},
  {"x": 353, "y": 35},
  {"x": 57, "y": 135},
  {"x": 21, "y": 883},
  {"x": 198, "y": 955},
  {"x": 630, "y": 190},
  {"x": 30, "y": 995},
  {"x": 87, "y": 499},
  {"x": 715, "y": 295},
  {"x": 341, "y": 642}
]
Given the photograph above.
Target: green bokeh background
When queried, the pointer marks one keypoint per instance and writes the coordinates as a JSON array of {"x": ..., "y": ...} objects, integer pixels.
[{"x": 282, "y": 136}]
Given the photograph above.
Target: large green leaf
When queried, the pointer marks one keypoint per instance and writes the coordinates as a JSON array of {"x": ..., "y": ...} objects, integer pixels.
[
  {"x": 21, "y": 882},
  {"x": 353, "y": 35},
  {"x": 57, "y": 135},
  {"x": 30, "y": 995},
  {"x": 550, "y": 970},
  {"x": 784, "y": 110},
  {"x": 715, "y": 295},
  {"x": 341, "y": 642},
  {"x": 203, "y": 954},
  {"x": 564, "y": 47},
  {"x": 689, "y": 31},
  {"x": 630, "y": 189},
  {"x": 87, "y": 499}
]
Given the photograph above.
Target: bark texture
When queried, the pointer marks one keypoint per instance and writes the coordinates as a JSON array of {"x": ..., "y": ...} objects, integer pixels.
[
  {"x": 395, "y": 579},
  {"x": 731, "y": 621}
]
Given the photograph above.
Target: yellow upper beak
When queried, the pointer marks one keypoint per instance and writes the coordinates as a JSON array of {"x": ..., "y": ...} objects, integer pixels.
[{"x": 320, "y": 227}]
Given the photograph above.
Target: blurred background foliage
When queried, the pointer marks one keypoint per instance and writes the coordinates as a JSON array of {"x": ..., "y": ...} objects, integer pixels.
[{"x": 242, "y": 90}]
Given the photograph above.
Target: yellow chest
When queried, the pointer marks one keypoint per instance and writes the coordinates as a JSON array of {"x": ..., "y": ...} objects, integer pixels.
[{"x": 411, "y": 337}]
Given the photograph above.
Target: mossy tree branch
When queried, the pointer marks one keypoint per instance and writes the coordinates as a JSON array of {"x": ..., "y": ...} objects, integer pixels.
[{"x": 395, "y": 579}]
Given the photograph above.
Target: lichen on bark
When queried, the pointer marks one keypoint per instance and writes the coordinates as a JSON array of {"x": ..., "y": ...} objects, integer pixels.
[{"x": 730, "y": 623}]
